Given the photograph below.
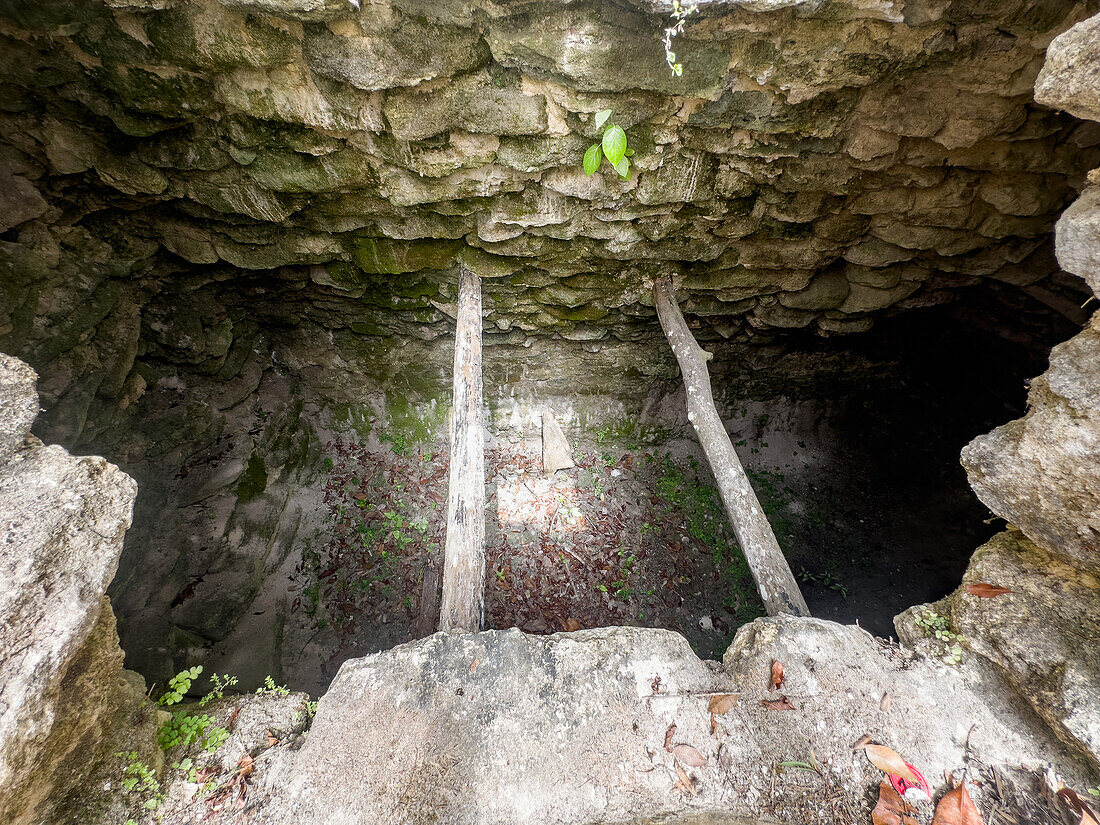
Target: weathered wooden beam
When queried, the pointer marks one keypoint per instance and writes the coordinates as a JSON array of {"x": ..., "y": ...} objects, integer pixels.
[
  {"x": 463, "y": 601},
  {"x": 769, "y": 567}
]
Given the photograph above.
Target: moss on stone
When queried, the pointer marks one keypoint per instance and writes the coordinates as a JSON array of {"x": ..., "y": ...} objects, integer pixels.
[
  {"x": 253, "y": 481},
  {"x": 389, "y": 257}
]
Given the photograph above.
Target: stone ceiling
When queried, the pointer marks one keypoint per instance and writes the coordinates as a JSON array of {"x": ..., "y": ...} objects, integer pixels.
[{"x": 816, "y": 163}]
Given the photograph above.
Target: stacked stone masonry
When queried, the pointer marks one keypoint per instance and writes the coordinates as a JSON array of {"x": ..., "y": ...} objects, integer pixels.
[{"x": 227, "y": 228}]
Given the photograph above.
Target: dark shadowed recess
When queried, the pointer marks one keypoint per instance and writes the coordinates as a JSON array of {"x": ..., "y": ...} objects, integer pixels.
[{"x": 891, "y": 520}]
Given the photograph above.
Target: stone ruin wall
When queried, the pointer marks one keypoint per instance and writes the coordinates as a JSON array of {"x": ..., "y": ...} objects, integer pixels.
[{"x": 229, "y": 218}]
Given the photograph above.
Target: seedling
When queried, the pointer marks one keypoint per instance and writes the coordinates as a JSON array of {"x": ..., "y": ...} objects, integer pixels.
[{"x": 612, "y": 146}]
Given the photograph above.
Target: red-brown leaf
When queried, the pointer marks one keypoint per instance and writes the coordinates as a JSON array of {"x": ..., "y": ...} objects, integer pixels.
[
  {"x": 722, "y": 703},
  {"x": 572, "y": 625},
  {"x": 244, "y": 766},
  {"x": 1078, "y": 805},
  {"x": 955, "y": 808},
  {"x": 668, "y": 737},
  {"x": 689, "y": 756},
  {"x": 984, "y": 590},
  {"x": 888, "y": 760},
  {"x": 776, "y": 681},
  {"x": 891, "y": 808},
  {"x": 782, "y": 703},
  {"x": 684, "y": 783}
]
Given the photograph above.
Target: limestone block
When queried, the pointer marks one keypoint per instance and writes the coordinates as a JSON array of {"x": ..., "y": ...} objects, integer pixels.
[
  {"x": 291, "y": 93},
  {"x": 606, "y": 48},
  {"x": 63, "y": 520},
  {"x": 472, "y": 102},
  {"x": 1077, "y": 238},
  {"x": 282, "y": 171},
  {"x": 876, "y": 252},
  {"x": 1041, "y": 472},
  {"x": 18, "y": 405},
  {"x": 863, "y": 298},
  {"x": 778, "y": 315},
  {"x": 1070, "y": 78},
  {"x": 826, "y": 291},
  {"x": 556, "y": 454},
  {"x": 294, "y": 9},
  {"x": 1037, "y": 635},
  {"x": 501, "y": 727},
  {"x": 19, "y": 202},
  {"x": 383, "y": 59},
  {"x": 207, "y": 35}
]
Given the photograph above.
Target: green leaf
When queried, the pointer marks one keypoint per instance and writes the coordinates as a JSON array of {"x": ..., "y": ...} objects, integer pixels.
[
  {"x": 601, "y": 117},
  {"x": 592, "y": 159},
  {"x": 614, "y": 145},
  {"x": 623, "y": 168},
  {"x": 630, "y": 153}
]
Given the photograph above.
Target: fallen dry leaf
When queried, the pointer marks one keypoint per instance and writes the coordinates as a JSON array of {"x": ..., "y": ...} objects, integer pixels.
[
  {"x": 776, "y": 681},
  {"x": 891, "y": 808},
  {"x": 689, "y": 756},
  {"x": 272, "y": 739},
  {"x": 684, "y": 783},
  {"x": 986, "y": 591},
  {"x": 244, "y": 766},
  {"x": 473, "y": 666},
  {"x": 782, "y": 703},
  {"x": 955, "y": 808},
  {"x": 1078, "y": 806},
  {"x": 713, "y": 725},
  {"x": 886, "y": 701},
  {"x": 859, "y": 743},
  {"x": 887, "y": 760},
  {"x": 722, "y": 703},
  {"x": 668, "y": 737},
  {"x": 572, "y": 625}
]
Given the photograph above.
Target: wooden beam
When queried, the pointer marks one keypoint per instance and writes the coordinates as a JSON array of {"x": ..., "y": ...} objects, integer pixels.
[
  {"x": 769, "y": 567},
  {"x": 462, "y": 605}
]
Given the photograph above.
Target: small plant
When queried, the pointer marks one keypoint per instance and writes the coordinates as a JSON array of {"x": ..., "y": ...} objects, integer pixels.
[
  {"x": 178, "y": 686},
  {"x": 309, "y": 711},
  {"x": 398, "y": 442},
  {"x": 825, "y": 579},
  {"x": 938, "y": 627},
  {"x": 183, "y": 729},
  {"x": 186, "y": 766},
  {"x": 612, "y": 146},
  {"x": 680, "y": 14},
  {"x": 269, "y": 687},
  {"x": 139, "y": 780},
  {"x": 221, "y": 684}
]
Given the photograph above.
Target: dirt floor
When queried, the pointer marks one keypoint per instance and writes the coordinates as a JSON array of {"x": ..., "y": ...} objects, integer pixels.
[
  {"x": 633, "y": 535},
  {"x": 627, "y": 537}
]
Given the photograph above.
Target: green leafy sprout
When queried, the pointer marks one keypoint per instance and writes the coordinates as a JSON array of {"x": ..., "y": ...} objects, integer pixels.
[
  {"x": 271, "y": 688},
  {"x": 183, "y": 728},
  {"x": 939, "y": 628},
  {"x": 612, "y": 146},
  {"x": 140, "y": 781},
  {"x": 680, "y": 14}
]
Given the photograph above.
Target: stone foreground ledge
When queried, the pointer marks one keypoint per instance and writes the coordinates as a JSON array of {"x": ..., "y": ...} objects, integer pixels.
[
  {"x": 1042, "y": 636},
  {"x": 502, "y": 727},
  {"x": 62, "y": 521}
]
